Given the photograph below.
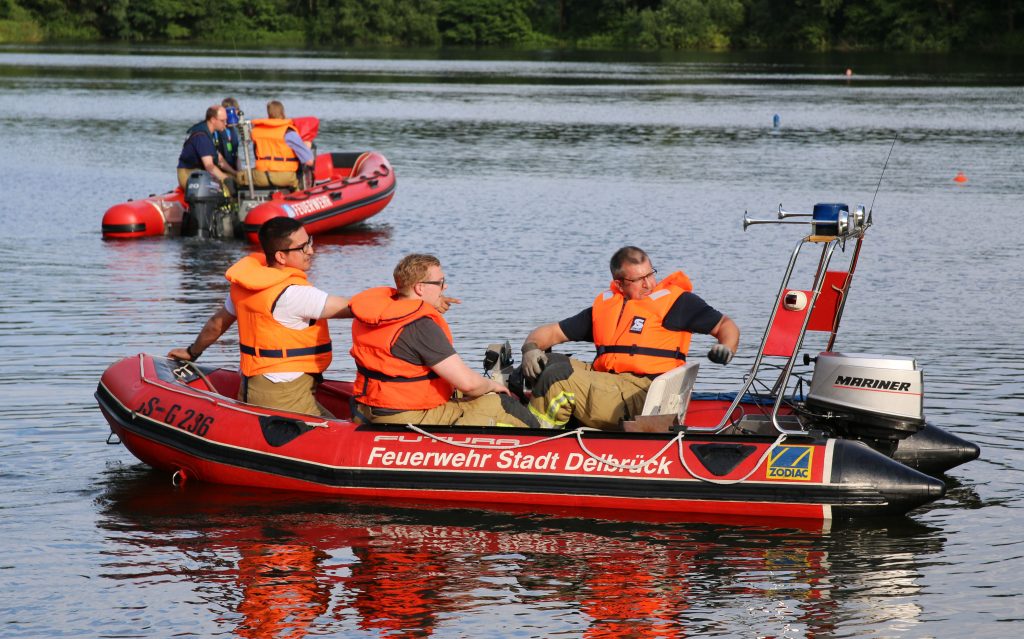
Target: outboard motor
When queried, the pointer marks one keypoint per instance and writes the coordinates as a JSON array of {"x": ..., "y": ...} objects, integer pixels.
[
  {"x": 207, "y": 214},
  {"x": 877, "y": 399}
]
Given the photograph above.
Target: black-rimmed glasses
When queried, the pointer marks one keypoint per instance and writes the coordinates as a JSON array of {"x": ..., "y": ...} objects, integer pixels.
[
  {"x": 439, "y": 282},
  {"x": 630, "y": 280},
  {"x": 305, "y": 247}
]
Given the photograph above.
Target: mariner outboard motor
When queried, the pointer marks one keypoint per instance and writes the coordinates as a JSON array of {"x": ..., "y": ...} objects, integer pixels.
[
  {"x": 876, "y": 399},
  {"x": 207, "y": 214}
]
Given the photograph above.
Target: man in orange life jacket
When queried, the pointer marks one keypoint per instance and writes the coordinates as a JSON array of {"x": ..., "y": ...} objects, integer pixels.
[
  {"x": 640, "y": 328},
  {"x": 282, "y": 321},
  {"x": 280, "y": 151},
  {"x": 407, "y": 367},
  {"x": 200, "y": 149}
]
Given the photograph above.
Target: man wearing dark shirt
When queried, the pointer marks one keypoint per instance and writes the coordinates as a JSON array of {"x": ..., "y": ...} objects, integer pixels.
[
  {"x": 641, "y": 328},
  {"x": 407, "y": 367},
  {"x": 200, "y": 151}
]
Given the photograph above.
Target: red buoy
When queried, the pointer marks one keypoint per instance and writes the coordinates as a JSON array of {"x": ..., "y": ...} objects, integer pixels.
[{"x": 960, "y": 177}]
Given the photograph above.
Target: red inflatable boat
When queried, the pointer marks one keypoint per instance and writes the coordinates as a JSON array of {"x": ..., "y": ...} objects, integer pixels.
[
  {"x": 850, "y": 441},
  {"x": 347, "y": 188},
  {"x": 183, "y": 419}
]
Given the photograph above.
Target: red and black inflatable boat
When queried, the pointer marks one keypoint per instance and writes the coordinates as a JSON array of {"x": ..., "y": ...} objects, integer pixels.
[
  {"x": 348, "y": 188},
  {"x": 182, "y": 418},
  {"x": 851, "y": 441}
]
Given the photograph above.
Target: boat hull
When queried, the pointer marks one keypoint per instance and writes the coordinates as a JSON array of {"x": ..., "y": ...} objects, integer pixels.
[
  {"x": 183, "y": 428},
  {"x": 153, "y": 216},
  {"x": 363, "y": 185},
  {"x": 349, "y": 188}
]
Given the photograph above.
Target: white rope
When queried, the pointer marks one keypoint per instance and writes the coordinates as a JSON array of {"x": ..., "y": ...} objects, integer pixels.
[
  {"x": 726, "y": 482},
  {"x": 638, "y": 466},
  {"x": 417, "y": 429},
  {"x": 578, "y": 432}
]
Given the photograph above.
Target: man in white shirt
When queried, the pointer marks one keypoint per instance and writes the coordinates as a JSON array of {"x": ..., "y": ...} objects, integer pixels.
[{"x": 284, "y": 341}]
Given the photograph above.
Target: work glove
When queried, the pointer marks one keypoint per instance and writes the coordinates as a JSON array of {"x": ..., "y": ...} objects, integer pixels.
[
  {"x": 534, "y": 361},
  {"x": 720, "y": 354}
]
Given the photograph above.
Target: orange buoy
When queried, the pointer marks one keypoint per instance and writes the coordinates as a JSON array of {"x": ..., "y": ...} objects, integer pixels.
[{"x": 960, "y": 177}]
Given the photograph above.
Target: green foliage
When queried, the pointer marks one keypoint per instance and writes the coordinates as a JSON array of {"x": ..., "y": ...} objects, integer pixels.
[
  {"x": 484, "y": 22},
  {"x": 373, "y": 22},
  {"x": 817, "y": 25}
]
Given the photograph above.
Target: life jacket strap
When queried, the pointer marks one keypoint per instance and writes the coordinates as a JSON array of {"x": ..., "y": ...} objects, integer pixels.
[
  {"x": 641, "y": 350},
  {"x": 381, "y": 377},
  {"x": 290, "y": 352}
]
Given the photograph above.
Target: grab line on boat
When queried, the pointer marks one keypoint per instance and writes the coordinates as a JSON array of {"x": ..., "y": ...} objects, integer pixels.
[
  {"x": 578, "y": 432},
  {"x": 206, "y": 395},
  {"x": 764, "y": 456}
]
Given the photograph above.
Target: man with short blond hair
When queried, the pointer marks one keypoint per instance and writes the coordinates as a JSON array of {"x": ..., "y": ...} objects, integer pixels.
[
  {"x": 407, "y": 367},
  {"x": 281, "y": 153}
]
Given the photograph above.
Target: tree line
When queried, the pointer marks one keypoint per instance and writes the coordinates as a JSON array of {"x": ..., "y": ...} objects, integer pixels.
[{"x": 801, "y": 25}]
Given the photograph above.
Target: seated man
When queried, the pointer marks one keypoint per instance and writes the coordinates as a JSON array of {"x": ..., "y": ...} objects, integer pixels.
[
  {"x": 280, "y": 151},
  {"x": 640, "y": 328},
  {"x": 200, "y": 149},
  {"x": 283, "y": 336},
  {"x": 407, "y": 367}
]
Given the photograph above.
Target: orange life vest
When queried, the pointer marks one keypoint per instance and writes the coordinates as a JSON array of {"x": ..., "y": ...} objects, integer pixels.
[
  {"x": 266, "y": 345},
  {"x": 629, "y": 335},
  {"x": 383, "y": 380},
  {"x": 272, "y": 152}
]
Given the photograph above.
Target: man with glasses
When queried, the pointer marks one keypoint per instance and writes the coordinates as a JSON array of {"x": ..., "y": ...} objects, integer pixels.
[
  {"x": 640, "y": 329},
  {"x": 282, "y": 321},
  {"x": 200, "y": 149},
  {"x": 407, "y": 367}
]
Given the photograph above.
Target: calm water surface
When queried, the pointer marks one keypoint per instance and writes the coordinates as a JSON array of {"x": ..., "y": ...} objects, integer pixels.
[{"x": 523, "y": 176}]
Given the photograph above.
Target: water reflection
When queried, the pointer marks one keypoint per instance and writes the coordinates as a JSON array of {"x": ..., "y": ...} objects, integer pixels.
[{"x": 279, "y": 564}]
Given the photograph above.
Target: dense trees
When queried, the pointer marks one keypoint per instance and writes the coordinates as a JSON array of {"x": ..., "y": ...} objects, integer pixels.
[{"x": 820, "y": 25}]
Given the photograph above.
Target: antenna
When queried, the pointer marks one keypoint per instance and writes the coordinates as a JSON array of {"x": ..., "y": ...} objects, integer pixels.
[{"x": 891, "y": 147}]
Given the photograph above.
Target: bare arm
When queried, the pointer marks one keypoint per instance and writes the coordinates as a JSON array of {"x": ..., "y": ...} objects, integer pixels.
[
  {"x": 227, "y": 168},
  {"x": 210, "y": 166},
  {"x": 727, "y": 333},
  {"x": 336, "y": 306},
  {"x": 546, "y": 336},
  {"x": 471, "y": 383},
  {"x": 216, "y": 326}
]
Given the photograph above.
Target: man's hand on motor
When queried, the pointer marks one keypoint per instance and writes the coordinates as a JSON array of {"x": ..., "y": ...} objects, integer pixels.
[
  {"x": 534, "y": 360},
  {"x": 720, "y": 354}
]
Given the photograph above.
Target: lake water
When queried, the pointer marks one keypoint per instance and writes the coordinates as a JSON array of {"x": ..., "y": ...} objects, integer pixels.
[{"x": 523, "y": 176}]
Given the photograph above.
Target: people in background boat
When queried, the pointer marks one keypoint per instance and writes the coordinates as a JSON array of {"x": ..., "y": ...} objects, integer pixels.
[
  {"x": 281, "y": 154},
  {"x": 640, "y": 328},
  {"x": 283, "y": 337},
  {"x": 200, "y": 149},
  {"x": 407, "y": 367}
]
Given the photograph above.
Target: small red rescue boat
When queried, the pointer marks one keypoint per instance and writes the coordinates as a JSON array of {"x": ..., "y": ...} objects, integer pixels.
[{"x": 346, "y": 189}]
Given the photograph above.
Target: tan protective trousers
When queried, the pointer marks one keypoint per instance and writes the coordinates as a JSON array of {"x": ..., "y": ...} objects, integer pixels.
[
  {"x": 595, "y": 399},
  {"x": 296, "y": 395},
  {"x": 486, "y": 410},
  {"x": 266, "y": 179}
]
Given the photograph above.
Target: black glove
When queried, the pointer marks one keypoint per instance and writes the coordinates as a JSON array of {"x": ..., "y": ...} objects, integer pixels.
[
  {"x": 720, "y": 354},
  {"x": 534, "y": 361}
]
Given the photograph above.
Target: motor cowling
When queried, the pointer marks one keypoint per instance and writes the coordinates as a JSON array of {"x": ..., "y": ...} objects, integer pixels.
[
  {"x": 205, "y": 198},
  {"x": 868, "y": 396}
]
